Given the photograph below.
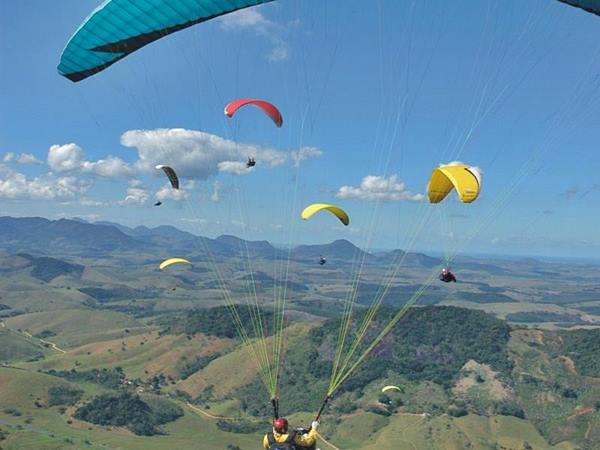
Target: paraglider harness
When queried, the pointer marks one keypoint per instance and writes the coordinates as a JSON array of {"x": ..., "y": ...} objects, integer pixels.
[
  {"x": 288, "y": 444},
  {"x": 447, "y": 277},
  {"x": 251, "y": 162}
]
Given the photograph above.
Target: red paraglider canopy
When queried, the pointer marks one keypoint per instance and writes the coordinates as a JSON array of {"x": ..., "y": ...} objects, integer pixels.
[{"x": 268, "y": 108}]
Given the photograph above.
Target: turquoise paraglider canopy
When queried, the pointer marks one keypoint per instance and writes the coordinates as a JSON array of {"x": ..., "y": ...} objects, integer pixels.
[
  {"x": 592, "y": 6},
  {"x": 118, "y": 28}
]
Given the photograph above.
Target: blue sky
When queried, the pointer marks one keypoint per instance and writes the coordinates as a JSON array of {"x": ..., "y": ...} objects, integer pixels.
[{"x": 374, "y": 96}]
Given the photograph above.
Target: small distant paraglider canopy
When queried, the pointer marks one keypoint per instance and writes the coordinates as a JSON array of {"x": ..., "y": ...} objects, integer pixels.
[
  {"x": 158, "y": 203},
  {"x": 118, "y": 28},
  {"x": 322, "y": 260},
  {"x": 251, "y": 162},
  {"x": 391, "y": 388},
  {"x": 311, "y": 210},
  {"x": 465, "y": 179},
  {"x": 268, "y": 108},
  {"x": 171, "y": 175},
  {"x": 170, "y": 261}
]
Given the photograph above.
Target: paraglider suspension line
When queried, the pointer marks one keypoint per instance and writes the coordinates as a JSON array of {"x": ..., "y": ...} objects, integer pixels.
[
  {"x": 323, "y": 405},
  {"x": 275, "y": 403}
]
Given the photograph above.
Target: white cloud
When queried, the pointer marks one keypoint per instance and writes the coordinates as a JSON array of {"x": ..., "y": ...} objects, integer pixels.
[
  {"x": 21, "y": 158},
  {"x": 244, "y": 18},
  {"x": 234, "y": 167},
  {"x": 278, "y": 53},
  {"x": 298, "y": 156},
  {"x": 110, "y": 167},
  {"x": 70, "y": 157},
  {"x": 15, "y": 185},
  {"x": 195, "y": 154},
  {"x": 135, "y": 196},
  {"x": 88, "y": 217},
  {"x": 374, "y": 187},
  {"x": 252, "y": 19},
  {"x": 216, "y": 193},
  {"x": 84, "y": 202},
  {"x": 168, "y": 193},
  {"x": 62, "y": 158}
]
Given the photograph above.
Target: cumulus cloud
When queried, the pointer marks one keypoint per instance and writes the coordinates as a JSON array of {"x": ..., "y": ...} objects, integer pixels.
[
  {"x": 110, "y": 167},
  {"x": 70, "y": 157},
  {"x": 15, "y": 185},
  {"x": 374, "y": 187},
  {"x": 234, "y": 167},
  {"x": 244, "y": 18},
  {"x": 63, "y": 158},
  {"x": 195, "y": 154},
  {"x": 21, "y": 158},
  {"x": 252, "y": 19},
  {"x": 298, "y": 156},
  {"x": 166, "y": 192},
  {"x": 135, "y": 196}
]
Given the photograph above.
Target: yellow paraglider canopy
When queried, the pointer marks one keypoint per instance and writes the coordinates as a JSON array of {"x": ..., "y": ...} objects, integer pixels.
[
  {"x": 389, "y": 388},
  {"x": 311, "y": 210},
  {"x": 168, "y": 262},
  {"x": 465, "y": 179}
]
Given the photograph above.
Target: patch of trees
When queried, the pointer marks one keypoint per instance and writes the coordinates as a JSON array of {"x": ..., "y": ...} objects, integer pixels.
[
  {"x": 189, "y": 367},
  {"x": 541, "y": 316},
  {"x": 239, "y": 426},
  {"x": 137, "y": 311},
  {"x": 582, "y": 346},
  {"x": 509, "y": 409},
  {"x": 12, "y": 412},
  {"x": 45, "y": 334},
  {"x": 457, "y": 410},
  {"x": 128, "y": 410},
  {"x": 218, "y": 322},
  {"x": 63, "y": 395},
  {"x": 117, "y": 293},
  {"x": 429, "y": 343},
  {"x": 4, "y": 307},
  {"x": 110, "y": 378},
  {"x": 303, "y": 382},
  {"x": 486, "y": 297}
]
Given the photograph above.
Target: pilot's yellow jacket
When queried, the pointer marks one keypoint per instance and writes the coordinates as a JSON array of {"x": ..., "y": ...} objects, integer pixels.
[{"x": 300, "y": 440}]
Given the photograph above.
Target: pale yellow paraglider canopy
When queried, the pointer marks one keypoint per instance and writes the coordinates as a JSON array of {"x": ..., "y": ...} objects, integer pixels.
[
  {"x": 311, "y": 210},
  {"x": 390, "y": 388},
  {"x": 168, "y": 262},
  {"x": 465, "y": 179}
]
